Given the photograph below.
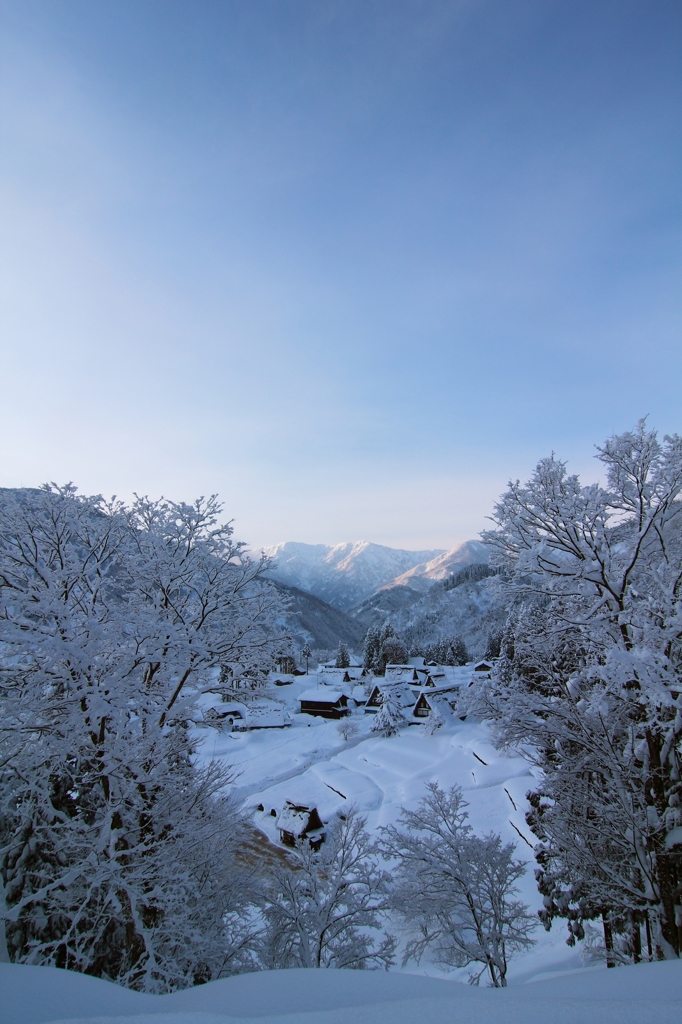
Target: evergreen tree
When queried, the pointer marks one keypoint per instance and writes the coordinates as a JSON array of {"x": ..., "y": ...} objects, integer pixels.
[
  {"x": 370, "y": 649},
  {"x": 493, "y": 646},
  {"x": 342, "y": 656},
  {"x": 305, "y": 653},
  {"x": 389, "y": 719},
  {"x": 459, "y": 651}
]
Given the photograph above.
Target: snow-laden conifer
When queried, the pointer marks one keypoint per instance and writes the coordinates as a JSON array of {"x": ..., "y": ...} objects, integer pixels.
[
  {"x": 389, "y": 719},
  {"x": 342, "y": 656}
]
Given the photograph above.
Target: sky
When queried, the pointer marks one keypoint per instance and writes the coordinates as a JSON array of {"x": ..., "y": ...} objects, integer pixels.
[{"x": 351, "y": 264}]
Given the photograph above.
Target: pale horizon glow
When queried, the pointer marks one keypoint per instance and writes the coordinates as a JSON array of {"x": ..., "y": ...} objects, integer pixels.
[{"x": 350, "y": 266}]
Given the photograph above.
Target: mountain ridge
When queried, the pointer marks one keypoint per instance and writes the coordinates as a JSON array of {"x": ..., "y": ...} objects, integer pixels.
[
  {"x": 342, "y": 574},
  {"x": 347, "y": 574}
]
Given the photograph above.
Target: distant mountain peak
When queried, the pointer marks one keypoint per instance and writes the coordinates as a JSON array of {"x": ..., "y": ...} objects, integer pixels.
[{"x": 346, "y": 574}]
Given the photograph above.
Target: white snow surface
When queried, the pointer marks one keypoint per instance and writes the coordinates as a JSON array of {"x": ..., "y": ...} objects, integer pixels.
[
  {"x": 311, "y": 764},
  {"x": 645, "y": 994}
]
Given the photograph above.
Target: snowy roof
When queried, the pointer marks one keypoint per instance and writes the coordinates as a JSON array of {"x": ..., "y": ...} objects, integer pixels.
[
  {"x": 231, "y": 708},
  {"x": 294, "y": 818},
  {"x": 402, "y": 695},
  {"x": 325, "y": 695}
]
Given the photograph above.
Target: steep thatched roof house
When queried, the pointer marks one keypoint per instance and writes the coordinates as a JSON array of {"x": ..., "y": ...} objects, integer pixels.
[
  {"x": 298, "y": 822},
  {"x": 401, "y": 674},
  {"x": 401, "y": 693},
  {"x": 428, "y": 702}
]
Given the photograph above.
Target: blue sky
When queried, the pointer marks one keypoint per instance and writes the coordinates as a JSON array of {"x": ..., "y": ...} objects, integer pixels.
[{"x": 352, "y": 265}]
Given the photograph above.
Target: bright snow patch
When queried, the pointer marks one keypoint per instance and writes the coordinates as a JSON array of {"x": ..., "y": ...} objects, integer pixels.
[{"x": 645, "y": 994}]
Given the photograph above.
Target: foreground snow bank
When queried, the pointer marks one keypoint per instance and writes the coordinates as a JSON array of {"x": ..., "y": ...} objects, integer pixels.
[{"x": 644, "y": 994}]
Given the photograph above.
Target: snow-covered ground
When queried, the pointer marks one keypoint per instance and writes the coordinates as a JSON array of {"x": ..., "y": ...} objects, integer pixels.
[
  {"x": 310, "y": 763},
  {"x": 646, "y": 994}
]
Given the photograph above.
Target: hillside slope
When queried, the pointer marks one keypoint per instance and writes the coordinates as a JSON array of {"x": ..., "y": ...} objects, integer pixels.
[
  {"x": 471, "y": 610},
  {"x": 424, "y": 575},
  {"x": 309, "y": 618}
]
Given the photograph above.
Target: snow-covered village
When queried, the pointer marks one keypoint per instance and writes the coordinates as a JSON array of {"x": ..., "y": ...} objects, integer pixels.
[{"x": 340, "y": 512}]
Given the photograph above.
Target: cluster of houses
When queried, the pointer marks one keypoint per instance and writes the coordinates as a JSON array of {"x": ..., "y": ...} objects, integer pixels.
[{"x": 416, "y": 688}]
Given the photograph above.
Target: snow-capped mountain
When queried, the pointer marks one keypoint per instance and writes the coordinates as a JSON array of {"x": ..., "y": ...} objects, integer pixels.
[
  {"x": 343, "y": 574},
  {"x": 422, "y": 576}
]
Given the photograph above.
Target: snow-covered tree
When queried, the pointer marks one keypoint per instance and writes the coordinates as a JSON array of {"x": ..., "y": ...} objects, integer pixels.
[
  {"x": 434, "y": 722},
  {"x": 455, "y": 892},
  {"x": 383, "y": 647},
  {"x": 389, "y": 719},
  {"x": 459, "y": 651},
  {"x": 393, "y": 652},
  {"x": 325, "y": 908},
  {"x": 371, "y": 648},
  {"x": 306, "y": 653},
  {"x": 494, "y": 645},
  {"x": 342, "y": 655},
  {"x": 347, "y": 729},
  {"x": 117, "y": 854},
  {"x": 589, "y": 685}
]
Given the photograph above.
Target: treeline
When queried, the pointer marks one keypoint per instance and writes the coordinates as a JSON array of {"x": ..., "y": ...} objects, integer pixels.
[
  {"x": 384, "y": 647},
  {"x": 470, "y": 574}
]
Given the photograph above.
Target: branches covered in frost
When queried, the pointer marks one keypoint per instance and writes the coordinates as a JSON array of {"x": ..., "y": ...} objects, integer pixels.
[
  {"x": 323, "y": 907},
  {"x": 589, "y": 683},
  {"x": 117, "y": 855},
  {"x": 455, "y": 891}
]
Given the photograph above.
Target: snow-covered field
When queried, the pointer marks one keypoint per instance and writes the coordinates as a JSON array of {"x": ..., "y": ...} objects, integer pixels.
[
  {"x": 646, "y": 994},
  {"x": 310, "y": 763}
]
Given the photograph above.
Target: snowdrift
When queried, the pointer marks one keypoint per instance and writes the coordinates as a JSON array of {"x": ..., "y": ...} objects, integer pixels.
[{"x": 643, "y": 994}]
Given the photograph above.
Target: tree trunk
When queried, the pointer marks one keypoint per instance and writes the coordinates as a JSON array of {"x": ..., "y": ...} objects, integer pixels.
[
  {"x": 636, "y": 940},
  {"x": 608, "y": 941}
]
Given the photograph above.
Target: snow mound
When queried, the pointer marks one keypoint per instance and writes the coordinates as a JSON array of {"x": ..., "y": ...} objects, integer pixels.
[{"x": 643, "y": 994}]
